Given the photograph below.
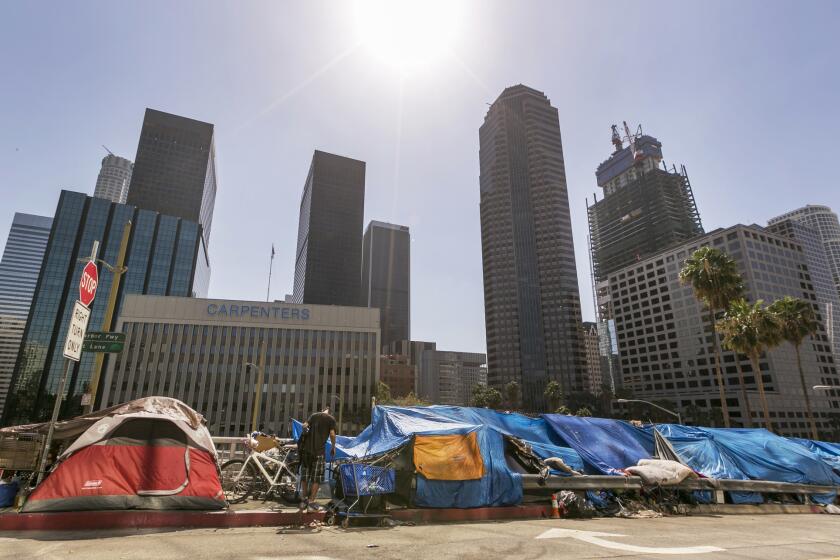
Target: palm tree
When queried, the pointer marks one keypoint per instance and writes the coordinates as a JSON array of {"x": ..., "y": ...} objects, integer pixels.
[
  {"x": 714, "y": 277},
  {"x": 796, "y": 322},
  {"x": 750, "y": 330},
  {"x": 553, "y": 394}
]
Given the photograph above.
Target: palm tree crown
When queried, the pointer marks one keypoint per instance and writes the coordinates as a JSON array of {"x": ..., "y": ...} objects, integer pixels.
[
  {"x": 714, "y": 277},
  {"x": 796, "y": 319}
]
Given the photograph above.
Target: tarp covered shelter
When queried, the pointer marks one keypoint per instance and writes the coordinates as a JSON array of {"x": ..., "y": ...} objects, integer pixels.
[
  {"x": 153, "y": 453},
  {"x": 827, "y": 451},
  {"x": 466, "y": 447}
]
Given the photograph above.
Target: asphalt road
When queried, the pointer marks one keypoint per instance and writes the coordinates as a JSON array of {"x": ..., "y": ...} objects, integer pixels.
[{"x": 765, "y": 537}]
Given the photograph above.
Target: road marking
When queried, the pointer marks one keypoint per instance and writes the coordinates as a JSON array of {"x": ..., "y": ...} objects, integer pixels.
[{"x": 593, "y": 537}]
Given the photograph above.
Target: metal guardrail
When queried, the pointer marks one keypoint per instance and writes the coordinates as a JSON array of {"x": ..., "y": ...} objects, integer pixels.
[{"x": 602, "y": 482}]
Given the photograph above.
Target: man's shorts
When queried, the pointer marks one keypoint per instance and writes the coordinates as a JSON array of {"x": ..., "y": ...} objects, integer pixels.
[{"x": 311, "y": 468}]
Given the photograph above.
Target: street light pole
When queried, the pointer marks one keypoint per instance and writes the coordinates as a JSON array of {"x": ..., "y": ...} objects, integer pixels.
[
  {"x": 89, "y": 398},
  {"x": 663, "y": 409},
  {"x": 259, "y": 390}
]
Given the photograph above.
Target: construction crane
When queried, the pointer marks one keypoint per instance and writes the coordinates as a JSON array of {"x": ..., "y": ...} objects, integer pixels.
[
  {"x": 616, "y": 139},
  {"x": 631, "y": 139},
  {"x": 107, "y": 150}
]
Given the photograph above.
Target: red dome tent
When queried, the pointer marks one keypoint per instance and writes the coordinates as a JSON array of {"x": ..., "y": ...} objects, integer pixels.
[{"x": 152, "y": 453}]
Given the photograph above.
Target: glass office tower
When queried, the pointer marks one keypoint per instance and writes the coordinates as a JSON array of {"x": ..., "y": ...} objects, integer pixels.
[
  {"x": 175, "y": 168},
  {"x": 165, "y": 256},
  {"x": 386, "y": 278},
  {"x": 19, "y": 270}
]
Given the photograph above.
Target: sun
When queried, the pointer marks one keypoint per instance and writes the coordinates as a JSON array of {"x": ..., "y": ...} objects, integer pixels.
[{"x": 406, "y": 34}]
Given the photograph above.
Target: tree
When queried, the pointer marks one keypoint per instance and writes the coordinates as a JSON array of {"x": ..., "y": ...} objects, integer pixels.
[
  {"x": 583, "y": 411},
  {"x": 796, "y": 320},
  {"x": 553, "y": 395},
  {"x": 410, "y": 400},
  {"x": 486, "y": 397},
  {"x": 513, "y": 395},
  {"x": 383, "y": 393},
  {"x": 750, "y": 330},
  {"x": 714, "y": 277},
  {"x": 563, "y": 410}
]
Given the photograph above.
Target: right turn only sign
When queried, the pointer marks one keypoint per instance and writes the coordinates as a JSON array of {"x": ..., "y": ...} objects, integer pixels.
[{"x": 76, "y": 332}]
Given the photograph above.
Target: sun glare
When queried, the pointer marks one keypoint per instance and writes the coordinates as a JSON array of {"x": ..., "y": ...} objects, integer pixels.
[{"x": 407, "y": 34}]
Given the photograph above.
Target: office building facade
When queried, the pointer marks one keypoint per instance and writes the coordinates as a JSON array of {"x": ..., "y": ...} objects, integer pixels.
[
  {"x": 175, "y": 169},
  {"x": 645, "y": 208},
  {"x": 397, "y": 372},
  {"x": 448, "y": 377},
  {"x": 114, "y": 179},
  {"x": 19, "y": 268},
  {"x": 198, "y": 351},
  {"x": 165, "y": 256},
  {"x": 328, "y": 259},
  {"x": 592, "y": 344},
  {"x": 386, "y": 278},
  {"x": 824, "y": 221},
  {"x": 819, "y": 269},
  {"x": 531, "y": 296},
  {"x": 665, "y": 345}
]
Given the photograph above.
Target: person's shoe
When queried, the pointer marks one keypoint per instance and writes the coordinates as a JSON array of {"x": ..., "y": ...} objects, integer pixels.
[
  {"x": 303, "y": 505},
  {"x": 314, "y": 508}
]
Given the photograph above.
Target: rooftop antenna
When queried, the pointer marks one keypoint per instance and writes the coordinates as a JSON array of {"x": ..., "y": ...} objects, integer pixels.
[{"x": 107, "y": 150}]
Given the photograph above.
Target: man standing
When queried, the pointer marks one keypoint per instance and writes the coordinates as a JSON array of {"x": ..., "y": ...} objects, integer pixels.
[{"x": 311, "y": 451}]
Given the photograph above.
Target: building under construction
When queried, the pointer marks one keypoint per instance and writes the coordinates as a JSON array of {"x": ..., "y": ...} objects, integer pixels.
[{"x": 645, "y": 208}]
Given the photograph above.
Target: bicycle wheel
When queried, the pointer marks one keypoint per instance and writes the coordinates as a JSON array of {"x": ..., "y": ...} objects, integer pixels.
[{"x": 238, "y": 490}]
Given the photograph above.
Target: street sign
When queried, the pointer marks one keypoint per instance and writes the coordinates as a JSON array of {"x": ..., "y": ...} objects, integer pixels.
[
  {"x": 104, "y": 347},
  {"x": 76, "y": 333},
  {"x": 97, "y": 336},
  {"x": 88, "y": 283}
]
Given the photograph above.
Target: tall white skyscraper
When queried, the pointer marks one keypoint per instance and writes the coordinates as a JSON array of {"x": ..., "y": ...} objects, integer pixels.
[
  {"x": 114, "y": 179},
  {"x": 19, "y": 269}
]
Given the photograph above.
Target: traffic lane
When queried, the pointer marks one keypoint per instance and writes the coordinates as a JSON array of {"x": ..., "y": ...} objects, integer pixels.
[{"x": 790, "y": 537}]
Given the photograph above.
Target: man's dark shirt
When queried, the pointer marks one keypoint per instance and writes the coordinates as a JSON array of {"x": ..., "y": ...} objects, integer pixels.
[{"x": 320, "y": 425}]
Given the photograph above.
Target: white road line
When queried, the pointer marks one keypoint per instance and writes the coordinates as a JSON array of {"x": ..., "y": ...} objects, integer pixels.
[{"x": 593, "y": 537}]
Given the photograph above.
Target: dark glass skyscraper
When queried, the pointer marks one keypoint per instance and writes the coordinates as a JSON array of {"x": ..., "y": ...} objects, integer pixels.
[
  {"x": 329, "y": 247},
  {"x": 386, "y": 278},
  {"x": 531, "y": 297},
  {"x": 165, "y": 256},
  {"x": 175, "y": 168},
  {"x": 19, "y": 270}
]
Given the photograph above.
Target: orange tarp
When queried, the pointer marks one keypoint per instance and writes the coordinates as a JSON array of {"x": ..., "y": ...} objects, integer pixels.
[{"x": 455, "y": 457}]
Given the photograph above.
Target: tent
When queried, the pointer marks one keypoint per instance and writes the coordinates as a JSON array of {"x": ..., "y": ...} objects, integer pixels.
[
  {"x": 827, "y": 451},
  {"x": 153, "y": 453},
  {"x": 459, "y": 453}
]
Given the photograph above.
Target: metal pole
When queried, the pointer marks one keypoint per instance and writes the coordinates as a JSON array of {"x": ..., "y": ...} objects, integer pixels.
[
  {"x": 56, "y": 408},
  {"x": 270, "y": 267},
  {"x": 93, "y": 386},
  {"x": 258, "y": 396}
]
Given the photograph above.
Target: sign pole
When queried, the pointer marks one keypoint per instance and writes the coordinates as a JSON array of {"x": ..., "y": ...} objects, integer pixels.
[
  {"x": 258, "y": 396},
  {"x": 93, "y": 385},
  {"x": 72, "y": 344},
  {"x": 56, "y": 408}
]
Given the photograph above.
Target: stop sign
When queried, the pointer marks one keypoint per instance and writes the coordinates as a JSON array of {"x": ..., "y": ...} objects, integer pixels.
[{"x": 88, "y": 283}]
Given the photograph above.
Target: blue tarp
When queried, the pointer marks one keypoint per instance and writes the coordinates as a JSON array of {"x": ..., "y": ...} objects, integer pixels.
[
  {"x": 393, "y": 427},
  {"x": 606, "y": 446},
  {"x": 827, "y": 451}
]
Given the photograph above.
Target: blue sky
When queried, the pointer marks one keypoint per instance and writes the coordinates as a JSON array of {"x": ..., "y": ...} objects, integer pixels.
[{"x": 745, "y": 94}]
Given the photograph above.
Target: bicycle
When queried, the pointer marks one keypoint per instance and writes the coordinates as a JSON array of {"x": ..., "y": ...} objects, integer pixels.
[{"x": 262, "y": 473}]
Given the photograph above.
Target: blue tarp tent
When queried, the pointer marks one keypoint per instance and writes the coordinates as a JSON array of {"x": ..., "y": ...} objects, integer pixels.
[
  {"x": 827, "y": 451},
  {"x": 393, "y": 427},
  {"x": 607, "y": 446}
]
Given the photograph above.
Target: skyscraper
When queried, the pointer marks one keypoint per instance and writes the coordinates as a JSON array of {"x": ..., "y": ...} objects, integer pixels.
[
  {"x": 386, "y": 272},
  {"x": 328, "y": 260},
  {"x": 665, "y": 342},
  {"x": 531, "y": 297},
  {"x": 175, "y": 169},
  {"x": 19, "y": 270},
  {"x": 816, "y": 257},
  {"x": 114, "y": 179},
  {"x": 166, "y": 256},
  {"x": 825, "y": 223},
  {"x": 645, "y": 208}
]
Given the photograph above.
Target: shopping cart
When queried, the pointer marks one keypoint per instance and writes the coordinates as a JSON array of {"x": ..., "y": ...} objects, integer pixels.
[{"x": 361, "y": 482}]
